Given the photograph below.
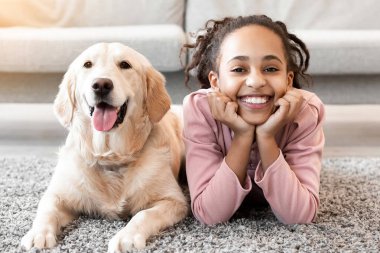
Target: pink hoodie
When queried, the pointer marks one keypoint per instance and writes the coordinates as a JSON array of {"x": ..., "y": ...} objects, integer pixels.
[{"x": 291, "y": 183}]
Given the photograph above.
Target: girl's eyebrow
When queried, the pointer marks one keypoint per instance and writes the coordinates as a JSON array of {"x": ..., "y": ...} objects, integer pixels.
[
  {"x": 246, "y": 58},
  {"x": 239, "y": 57},
  {"x": 271, "y": 57}
]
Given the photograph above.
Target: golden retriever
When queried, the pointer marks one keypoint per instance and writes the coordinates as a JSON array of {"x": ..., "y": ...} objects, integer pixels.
[{"x": 122, "y": 154}]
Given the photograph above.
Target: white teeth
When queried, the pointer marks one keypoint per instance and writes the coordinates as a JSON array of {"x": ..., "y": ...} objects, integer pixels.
[{"x": 255, "y": 100}]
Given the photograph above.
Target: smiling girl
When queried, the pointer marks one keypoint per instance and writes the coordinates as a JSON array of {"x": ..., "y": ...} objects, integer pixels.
[{"x": 251, "y": 133}]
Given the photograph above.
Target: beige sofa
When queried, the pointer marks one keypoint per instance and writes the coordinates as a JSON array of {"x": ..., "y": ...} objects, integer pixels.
[{"x": 39, "y": 38}]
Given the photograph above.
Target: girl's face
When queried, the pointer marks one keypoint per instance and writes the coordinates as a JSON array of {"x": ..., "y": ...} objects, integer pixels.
[{"x": 252, "y": 72}]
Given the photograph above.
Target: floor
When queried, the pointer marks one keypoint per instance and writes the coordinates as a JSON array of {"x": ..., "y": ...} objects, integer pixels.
[{"x": 32, "y": 129}]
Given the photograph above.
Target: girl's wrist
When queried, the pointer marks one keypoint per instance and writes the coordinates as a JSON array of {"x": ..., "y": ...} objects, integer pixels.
[
  {"x": 265, "y": 138},
  {"x": 248, "y": 135},
  {"x": 263, "y": 135}
]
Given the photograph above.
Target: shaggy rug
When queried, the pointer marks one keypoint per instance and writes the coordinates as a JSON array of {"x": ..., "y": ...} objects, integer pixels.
[{"x": 348, "y": 219}]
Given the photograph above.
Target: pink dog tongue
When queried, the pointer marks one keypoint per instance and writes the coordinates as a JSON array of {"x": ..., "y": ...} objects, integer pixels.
[{"x": 104, "y": 117}]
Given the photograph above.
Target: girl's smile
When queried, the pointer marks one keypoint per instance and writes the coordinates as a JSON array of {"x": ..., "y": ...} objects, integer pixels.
[{"x": 254, "y": 101}]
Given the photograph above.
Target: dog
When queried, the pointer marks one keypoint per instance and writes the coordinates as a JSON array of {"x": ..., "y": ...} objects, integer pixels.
[{"x": 122, "y": 154}]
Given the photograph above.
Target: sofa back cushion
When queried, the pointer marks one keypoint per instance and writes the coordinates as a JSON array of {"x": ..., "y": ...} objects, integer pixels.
[
  {"x": 82, "y": 13},
  {"x": 297, "y": 14}
]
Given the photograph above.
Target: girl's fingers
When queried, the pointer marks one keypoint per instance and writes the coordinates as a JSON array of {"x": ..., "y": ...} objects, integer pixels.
[
  {"x": 294, "y": 99},
  {"x": 231, "y": 109},
  {"x": 283, "y": 107},
  {"x": 225, "y": 110},
  {"x": 217, "y": 102}
]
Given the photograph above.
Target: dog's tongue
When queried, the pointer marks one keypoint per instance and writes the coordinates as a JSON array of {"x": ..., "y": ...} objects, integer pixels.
[{"x": 104, "y": 117}]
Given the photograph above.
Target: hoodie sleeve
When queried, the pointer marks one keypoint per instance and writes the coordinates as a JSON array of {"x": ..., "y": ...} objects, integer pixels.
[
  {"x": 291, "y": 183},
  {"x": 215, "y": 190}
]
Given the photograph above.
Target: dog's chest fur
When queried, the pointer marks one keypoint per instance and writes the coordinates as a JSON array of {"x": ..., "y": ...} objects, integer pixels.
[{"x": 101, "y": 191}]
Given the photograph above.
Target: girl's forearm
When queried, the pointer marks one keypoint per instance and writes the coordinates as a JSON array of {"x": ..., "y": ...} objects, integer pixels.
[{"x": 239, "y": 154}]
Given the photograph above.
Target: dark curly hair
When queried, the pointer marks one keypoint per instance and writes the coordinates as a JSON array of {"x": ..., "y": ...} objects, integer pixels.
[{"x": 205, "y": 50}]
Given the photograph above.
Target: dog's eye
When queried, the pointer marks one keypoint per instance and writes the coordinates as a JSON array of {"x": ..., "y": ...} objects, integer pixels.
[
  {"x": 125, "y": 65},
  {"x": 87, "y": 64}
]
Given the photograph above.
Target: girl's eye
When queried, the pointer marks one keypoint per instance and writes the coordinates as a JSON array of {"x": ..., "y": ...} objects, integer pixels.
[
  {"x": 238, "y": 70},
  {"x": 270, "y": 69},
  {"x": 125, "y": 65},
  {"x": 87, "y": 64}
]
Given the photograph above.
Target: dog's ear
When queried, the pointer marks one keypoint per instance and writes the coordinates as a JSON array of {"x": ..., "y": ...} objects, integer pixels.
[
  {"x": 158, "y": 100},
  {"x": 64, "y": 103}
]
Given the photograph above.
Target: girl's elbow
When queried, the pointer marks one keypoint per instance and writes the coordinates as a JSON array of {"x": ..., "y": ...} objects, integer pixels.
[
  {"x": 206, "y": 217},
  {"x": 298, "y": 218},
  {"x": 304, "y": 214},
  {"x": 208, "y": 222}
]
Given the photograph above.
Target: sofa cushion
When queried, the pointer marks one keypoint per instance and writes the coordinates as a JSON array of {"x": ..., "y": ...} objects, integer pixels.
[
  {"x": 53, "y": 49},
  {"x": 342, "y": 51},
  {"x": 74, "y": 13},
  {"x": 131, "y": 12}
]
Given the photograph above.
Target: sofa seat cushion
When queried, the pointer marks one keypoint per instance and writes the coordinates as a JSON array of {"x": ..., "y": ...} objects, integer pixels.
[{"x": 53, "y": 49}]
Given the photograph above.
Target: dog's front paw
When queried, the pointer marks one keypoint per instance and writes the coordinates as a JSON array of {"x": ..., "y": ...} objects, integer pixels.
[
  {"x": 39, "y": 239},
  {"x": 125, "y": 240}
]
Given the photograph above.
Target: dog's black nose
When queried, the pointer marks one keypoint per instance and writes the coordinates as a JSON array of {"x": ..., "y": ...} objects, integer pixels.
[{"x": 102, "y": 86}]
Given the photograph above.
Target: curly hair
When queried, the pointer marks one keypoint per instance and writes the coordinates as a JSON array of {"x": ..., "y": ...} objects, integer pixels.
[{"x": 205, "y": 50}]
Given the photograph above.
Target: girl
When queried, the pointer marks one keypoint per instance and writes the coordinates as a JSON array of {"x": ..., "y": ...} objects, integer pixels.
[{"x": 251, "y": 133}]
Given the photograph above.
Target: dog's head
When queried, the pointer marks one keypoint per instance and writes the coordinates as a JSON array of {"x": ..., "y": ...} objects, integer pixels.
[{"x": 107, "y": 82}]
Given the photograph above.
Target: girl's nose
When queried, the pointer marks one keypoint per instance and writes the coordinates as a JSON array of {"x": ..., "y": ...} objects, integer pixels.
[{"x": 255, "y": 80}]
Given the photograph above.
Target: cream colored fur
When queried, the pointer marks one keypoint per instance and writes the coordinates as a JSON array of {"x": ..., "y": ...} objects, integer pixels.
[{"x": 128, "y": 171}]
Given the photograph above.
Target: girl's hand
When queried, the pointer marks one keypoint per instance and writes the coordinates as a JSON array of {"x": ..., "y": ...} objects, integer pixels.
[
  {"x": 224, "y": 110},
  {"x": 287, "y": 109}
]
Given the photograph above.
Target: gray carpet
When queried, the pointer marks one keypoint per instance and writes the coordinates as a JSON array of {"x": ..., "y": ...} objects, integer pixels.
[{"x": 348, "y": 219}]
